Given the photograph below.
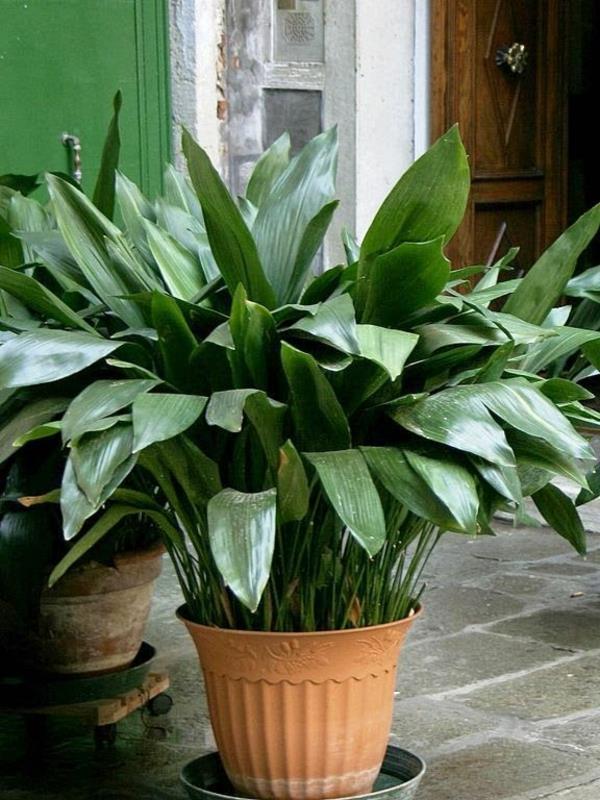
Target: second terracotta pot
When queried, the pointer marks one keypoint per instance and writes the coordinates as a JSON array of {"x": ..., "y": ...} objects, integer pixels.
[
  {"x": 303, "y": 716},
  {"x": 93, "y": 620}
]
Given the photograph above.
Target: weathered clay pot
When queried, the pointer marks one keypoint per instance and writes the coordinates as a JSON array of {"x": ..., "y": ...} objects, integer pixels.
[
  {"x": 300, "y": 716},
  {"x": 93, "y": 619}
]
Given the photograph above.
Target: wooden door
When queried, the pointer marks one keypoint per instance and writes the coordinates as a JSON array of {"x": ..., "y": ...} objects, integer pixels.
[
  {"x": 61, "y": 62},
  {"x": 512, "y": 122}
]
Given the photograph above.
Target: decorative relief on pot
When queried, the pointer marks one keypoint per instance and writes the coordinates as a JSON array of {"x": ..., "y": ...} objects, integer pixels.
[
  {"x": 284, "y": 658},
  {"x": 292, "y": 657},
  {"x": 380, "y": 649}
]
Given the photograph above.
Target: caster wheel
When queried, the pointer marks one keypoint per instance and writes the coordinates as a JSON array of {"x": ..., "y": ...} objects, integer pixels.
[
  {"x": 159, "y": 705},
  {"x": 105, "y": 735}
]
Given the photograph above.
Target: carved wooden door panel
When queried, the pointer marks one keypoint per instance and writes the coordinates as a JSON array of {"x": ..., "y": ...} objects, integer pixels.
[{"x": 497, "y": 70}]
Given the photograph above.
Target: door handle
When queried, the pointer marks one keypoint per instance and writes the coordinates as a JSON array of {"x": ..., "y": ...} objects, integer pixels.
[
  {"x": 514, "y": 56},
  {"x": 73, "y": 144}
]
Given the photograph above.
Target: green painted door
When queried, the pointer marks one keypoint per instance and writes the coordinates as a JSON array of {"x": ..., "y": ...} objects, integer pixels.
[{"x": 61, "y": 62}]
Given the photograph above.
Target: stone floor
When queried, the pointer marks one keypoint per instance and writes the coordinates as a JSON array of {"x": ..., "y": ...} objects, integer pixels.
[{"x": 499, "y": 688}]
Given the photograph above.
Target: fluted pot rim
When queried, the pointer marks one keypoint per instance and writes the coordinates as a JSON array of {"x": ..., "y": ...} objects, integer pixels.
[{"x": 182, "y": 617}]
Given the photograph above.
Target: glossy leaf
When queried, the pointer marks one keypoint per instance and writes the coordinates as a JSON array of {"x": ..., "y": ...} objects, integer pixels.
[
  {"x": 428, "y": 201},
  {"x": 42, "y": 431},
  {"x": 37, "y": 297},
  {"x": 84, "y": 230},
  {"x": 311, "y": 241},
  {"x": 179, "y": 269},
  {"x": 452, "y": 484},
  {"x": 459, "y": 419},
  {"x": 104, "y": 191},
  {"x": 75, "y": 506},
  {"x": 319, "y": 420},
  {"x": 348, "y": 484},
  {"x": 292, "y": 484},
  {"x": 46, "y": 355},
  {"x": 560, "y": 513},
  {"x": 36, "y": 412},
  {"x": 232, "y": 244},
  {"x": 99, "y": 400},
  {"x": 525, "y": 408},
  {"x": 565, "y": 342},
  {"x": 252, "y": 331},
  {"x": 267, "y": 170},
  {"x": 96, "y": 457},
  {"x": 297, "y": 197},
  {"x": 333, "y": 324},
  {"x": 560, "y": 390},
  {"x": 401, "y": 281},
  {"x": 157, "y": 417},
  {"x": 135, "y": 209},
  {"x": 241, "y": 531},
  {"x": 197, "y": 474},
  {"x": 546, "y": 280},
  {"x": 175, "y": 339},
  {"x": 535, "y": 452},
  {"x": 504, "y": 480},
  {"x": 388, "y": 348},
  {"x": 109, "y": 520},
  {"x": 392, "y": 470}
]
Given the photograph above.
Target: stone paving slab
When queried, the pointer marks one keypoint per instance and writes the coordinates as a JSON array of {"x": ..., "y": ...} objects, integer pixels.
[
  {"x": 494, "y": 770},
  {"x": 440, "y": 665},
  {"x": 576, "y": 629},
  {"x": 570, "y": 687}
]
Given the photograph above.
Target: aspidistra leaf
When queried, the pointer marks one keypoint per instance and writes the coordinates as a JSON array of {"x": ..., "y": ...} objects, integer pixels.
[
  {"x": 241, "y": 532},
  {"x": 348, "y": 484}
]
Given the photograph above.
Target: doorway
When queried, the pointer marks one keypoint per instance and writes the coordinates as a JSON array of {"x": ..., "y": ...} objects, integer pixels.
[{"x": 533, "y": 149}]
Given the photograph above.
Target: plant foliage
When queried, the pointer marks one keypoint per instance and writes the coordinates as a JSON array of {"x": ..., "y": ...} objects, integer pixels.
[{"x": 306, "y": 439}]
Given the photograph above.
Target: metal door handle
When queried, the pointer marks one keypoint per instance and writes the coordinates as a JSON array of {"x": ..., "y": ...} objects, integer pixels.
[
  {"x": 514, "y": 56},
  {"x": 73, "y": 143}
]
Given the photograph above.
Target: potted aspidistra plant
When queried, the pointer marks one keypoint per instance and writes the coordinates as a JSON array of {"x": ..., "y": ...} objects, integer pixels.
[
  {"x": 309, "y": 438},
  {"x": 92, "y": 620}
]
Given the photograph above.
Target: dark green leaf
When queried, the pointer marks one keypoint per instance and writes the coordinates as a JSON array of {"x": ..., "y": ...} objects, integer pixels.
[
  {"x": 347, "y": 482},
  {"x": 241, "y": 531},
  {"x": 96, "y": 457},
  {"x": 458, "y": 419},
  {"x": 546, "y": 280},
  {"x": 85, "y": 231},
  {"x": 267, "y": 170},
  {"x": 319, "y": 419},
  {"x": 292, "y": 484},
  {"x": 36, "y": 296},
  {"x": 428, "y": 201},
  {"x": 99, "y": 400},
  {"x": 393, "y": 471},
  {"x": 157, "y": 417},
  {"x": 560, "y": 513},
  {"x": 388, "y": 348},
  {"x": 175, "y": 339},
  {"x": 231, "y": 242},
  {"x": 295, "y": 200},
  {"x": 33, "y": 414},
  {"x": 104, "y": 191},
  {"x": 333, "y": 324},
  {"x": 47, "y": 355},
  {"x": 401, "y": 281},
  {"x": 452, "y": 484}
]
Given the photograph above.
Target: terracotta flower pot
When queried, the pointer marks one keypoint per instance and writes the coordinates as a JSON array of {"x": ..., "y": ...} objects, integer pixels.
[
  {"x": 93, "y": 619},
  {"x": 300, "y": 715}
]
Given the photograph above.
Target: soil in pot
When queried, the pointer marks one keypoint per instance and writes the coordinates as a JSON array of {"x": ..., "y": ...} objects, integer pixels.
[{"x": 300, "y": 716}]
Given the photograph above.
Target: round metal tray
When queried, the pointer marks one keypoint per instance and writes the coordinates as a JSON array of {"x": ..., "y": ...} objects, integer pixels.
[
  {"x": 401, "y": 772},
  {"x": 42, "y": 689}
]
